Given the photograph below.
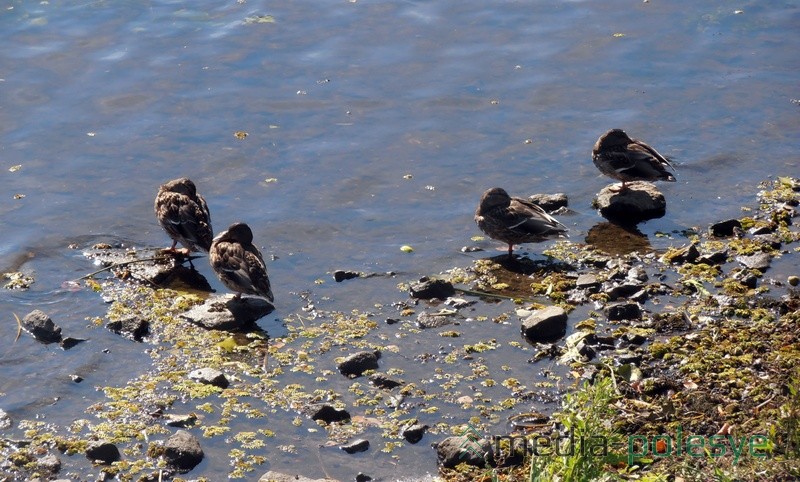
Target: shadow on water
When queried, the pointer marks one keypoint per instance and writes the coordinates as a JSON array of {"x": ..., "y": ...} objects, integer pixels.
[{"x": 617, "y": 239}]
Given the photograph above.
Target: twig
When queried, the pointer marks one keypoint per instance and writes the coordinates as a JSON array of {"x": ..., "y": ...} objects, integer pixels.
[
  {"x": 19, "y": 327},
  {"x": 126, "y": 263}
]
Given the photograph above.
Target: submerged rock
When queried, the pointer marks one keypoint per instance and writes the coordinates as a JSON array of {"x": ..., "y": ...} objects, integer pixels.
[
  {"x": 102, "y": 452},
  {"x": 340, "y": 275},
  {"x": 356, "y": 364},
  {"x": 384, "y": 382},
  {"x": 41, "y": 327},
  {"x": 131, "y": 327},
  {"x": 639, "y": 202},
  {"x": 413, "y": 433},
  {"x": 358, "y": 445},
  {"x": 426, "y": 289},
  {"x": 228, "y": 313},
  {"x": 328, "y": 413},
  {"x": 545, "y": 325},
  {"x": 182, "y": 451},
  {"x": 467, "y": 449}
]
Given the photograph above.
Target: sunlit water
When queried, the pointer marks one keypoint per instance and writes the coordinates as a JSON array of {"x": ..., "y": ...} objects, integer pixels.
[{"x": 377, "y": 124}]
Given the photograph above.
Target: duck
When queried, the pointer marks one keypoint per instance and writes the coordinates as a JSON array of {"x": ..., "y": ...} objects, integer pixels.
[
  {"x": 515, "y": 220},
  {"x": 184, "y": 215},
  {"x": 625, "y": 159},
  {"x": 238, "y": 263}
]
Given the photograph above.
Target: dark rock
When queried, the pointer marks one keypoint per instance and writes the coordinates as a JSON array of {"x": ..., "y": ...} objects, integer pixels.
[
  {"x": 747, "y": 279},
  {"x": 76, "y": 378},
  {"x": 545, "y": 325},
  {"x": 640, "y": 296},
  {"x": 688, "y": 254},
  {"x": 273, "y": 476},
  {"x": 471, "y": 450},
  {"x": 623, "y": 311},
  {"x": 426, "y": 289},
  {"x": 228, "y": 313},
  {"x": 761, "y": 230},
  {"x": 471, "y": 249},
  {"x": 550, "y": 202},
  {"x": 414, "y": 432},
  {"x": 771, "y": 240},
  {"x": 384, "y": 382},
  {"x": 359, "y": 445},
  {"x": 587, "y": 281},
  {"x": 439, "y": 319},
  {"x": 639, "y": 202},
  {"x": 341, "y": 275},
  {"x": 357, "y": 363},
  {"x": 392, "y": 321},
  {"x": 634, "y": 338},
  {"x": 758, "y": 261},
  {"x": 38, "y": 324},
  {"x": 329, "y": 414},
  {"x": 637, "y": 273},
  {"x": 717, "y": 257},
  {"x": 102, "y": 452},
  {"x": 182, "y": 451},
  {"x": 209, "y": 376},
  {"x": 5, "y": 420},
  {"x": 69, "y": 342},
  {"x": 623, "y": 290},
  {"x": 131, "y": 327},
  {"x": 724, "y": 228},
  {"x": 361, "y": 477}
]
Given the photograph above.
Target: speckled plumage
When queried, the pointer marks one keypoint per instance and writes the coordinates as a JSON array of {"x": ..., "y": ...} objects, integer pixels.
[
  {"x": 183, "y": 214},
  {"x": 238, "y": 263},
  {"x": 625, "y": 159},
  {"x": 514, "y": 220}
]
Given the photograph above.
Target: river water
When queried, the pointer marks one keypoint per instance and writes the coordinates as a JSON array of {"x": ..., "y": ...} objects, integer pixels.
[{"x": 370, "y": 125}]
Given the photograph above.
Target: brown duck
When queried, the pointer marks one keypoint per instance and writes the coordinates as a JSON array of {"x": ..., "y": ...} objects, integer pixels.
[
  {"x": 183, "y": 214},
  {"x": 514, "y": 220},
  {"x": 625, "y": 159},
  {"x": 238, "y": 263}
]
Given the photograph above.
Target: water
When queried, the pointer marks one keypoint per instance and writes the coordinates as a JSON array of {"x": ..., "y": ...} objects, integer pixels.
[{"x": 101, "y": 102}]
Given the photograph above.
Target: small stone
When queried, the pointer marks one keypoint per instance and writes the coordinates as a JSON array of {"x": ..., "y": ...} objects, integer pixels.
[
  {"x": 392, "y": 321},
  {"x": 341, "y": 275},
  {"x": 384, "y": 382},
  {"x": 761, "y": 230},
  {"x": 717, "y": 257},
  {"x": 623, "y": 290},
  {"x": 76, "y": 378},
  {"x": 414, "y": 433},
  {"x": 640, "y": 201},
  {"x": 758, "y": 261},
  {"x": 467, "y": 449},
  {"x": 209, "y": 376},
  {"x": 587, "y": 281},
  {"x": 688, "y": 254},
  {"x": 426, "y": 289},
  {"x": 131, "y": 327},
  {"x": 361, "y": 477},
  {"x": 329, "y": 414},
  {"x": 38, "y": 324},
  {"x": 182, "y": 451},
  {"x": 724, "y": 228},
  {"x": 545, "y": 325},
  {"x": 359, "y": 445},
  {"x": 793, "y": 280},
  {"x": 357, "y": 363},
  {"x": 50, "y": 463},
  {"x": 439, "y": 319},
  {"x": 70, "y": 342},
  {"x": 180, "y": 420},
  {"x": 471, "y": 249},
  {"x": 623, "y": 311},
  {"x": 550, "y": 202},
  {"x": 102, "y": 452},
  {"x": 771, "y": 240},
  {"x": 458, "y": 303},
  {"x": 5, "y": 420},
  {"x": 228, "y": 313}
]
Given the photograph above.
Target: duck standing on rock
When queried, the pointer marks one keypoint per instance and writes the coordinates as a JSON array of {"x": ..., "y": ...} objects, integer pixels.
[
  {"x": 238, "y": 263},
  {"x": 514, "y": 220},
  {"x": 625, "y": 159},
  {"x": 183, "y": 213}
]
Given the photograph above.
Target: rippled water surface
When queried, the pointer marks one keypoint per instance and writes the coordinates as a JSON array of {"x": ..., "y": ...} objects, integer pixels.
[{"x": 370, "y": 125}]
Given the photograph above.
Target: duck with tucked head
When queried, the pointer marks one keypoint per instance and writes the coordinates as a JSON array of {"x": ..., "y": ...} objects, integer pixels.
[
  {"x": 238, "y": 263},
  {"x": 625, "y": 159},
  {"x": 184, "y": 215},
  {"x": 514, "y": 220}
]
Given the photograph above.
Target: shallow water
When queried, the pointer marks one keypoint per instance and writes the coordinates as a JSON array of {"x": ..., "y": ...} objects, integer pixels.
[{"x": 101, "y": 102}]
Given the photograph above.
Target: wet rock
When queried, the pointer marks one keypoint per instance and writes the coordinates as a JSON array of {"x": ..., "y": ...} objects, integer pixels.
[
  {"x": 357, "y": 363},
  {"x": 328, "y": 414},
  {"x": 180, "y": 420},
  {"x": 550, "y": 202},
  {"x": 587, "y": 281},
  {"x": 340, "y": 275},
  {"x": 458, "y": 303},
  {"x": 359, "y": 445},
  {"x": 623, "y": 311},
  {"x": 76, "y": 378},
  {"x": 228, "y": 313},
  {"x": 760, "y": 230},
  {"x": 384, "y": 382},
  {"x": 413, "y": 433},
  {"x": 131, "y": 327},
  {"x": 639, "y": 202},
  {"x": 623, "y": 290},
  {"x": 758, "y": 261},
  {"x": 426, "y": 289},
  {"x": 49, "y": 463},
  {"x": 273, "y": 476},
  {"x": 746, "y": 278},
  {"x": 438, "y": 319},
  {"x": 771, "y": 240},
  {"x": 209, "y": 376},
  {"x": 361, "y": 477},
  {"x": 102, "y": 452},
  {"x": 137, "y": 265},
  {"x": 724, "y": 229},
  {"x": 41, "y": 327},
  {"x": 70, "y": 342},
  {"x": 545, "y": 325},
  {"x": 793, "y": 280},
  {"x": 182, "y": 451},
  {"x": 717, "y": 257},
  {"x": 688, "y": 254},
  {"x": 5, "y": 419},
  {"x": 471, "y": 249},
  {"x": 467, "y": 449},
  {"x": 392, "y": 321}
]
